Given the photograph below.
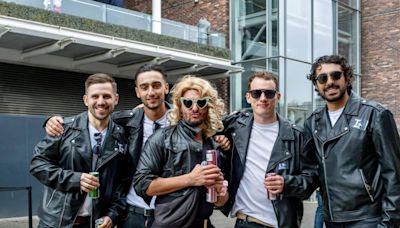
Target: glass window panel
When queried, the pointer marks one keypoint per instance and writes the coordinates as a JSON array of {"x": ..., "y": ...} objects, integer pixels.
[
  {"x": 351, "y": 3},
  {"x": 347, "y": 38},
  {"x": 323, "y": 28},
  {"x": 298, "y": 92},
  {"x": 257, "y": 29},
  {"x": 298, "y": 30}
]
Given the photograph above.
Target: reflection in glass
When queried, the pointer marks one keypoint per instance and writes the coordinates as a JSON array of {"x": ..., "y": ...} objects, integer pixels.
[
  {"x": 347, "y": 34},
  {"x": 258, "y": 28},
  {"x": 298, "y": 92},
  {"x": 298, "y": 30},
  {"x": 323, "y": 28}
]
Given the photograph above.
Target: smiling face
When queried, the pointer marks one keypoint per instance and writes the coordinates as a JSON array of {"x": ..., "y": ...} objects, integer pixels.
[
  {"x": 333, "y": 91},
  {"x": 194, "y": 115},
  {"x": 100, "y": 98},
  {"x": 264, "y": 109},
  {"x": 151, "y": 88}
]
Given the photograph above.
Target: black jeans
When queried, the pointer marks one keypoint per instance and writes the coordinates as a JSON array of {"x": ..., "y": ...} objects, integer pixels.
[
  {"x": 366, "y": 223},
  {"x": 135, "y": 220},
  {"x": 240, "y": 223}
]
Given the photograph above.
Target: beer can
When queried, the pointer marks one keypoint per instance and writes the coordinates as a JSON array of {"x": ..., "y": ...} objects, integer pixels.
[
  {"x": 211, "y": 158},
  {"x": 271, "y": 196},
  {"x": 95, "y": 193},
  {"x": 98, "y": 222}
]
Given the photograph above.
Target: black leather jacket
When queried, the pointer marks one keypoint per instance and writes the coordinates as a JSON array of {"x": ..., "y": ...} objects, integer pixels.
[
  {"x": 58, "y": 163},
  {"x": 286, "y": 159},
  {"x": 359, "y": 162},
  {"x": 132, "y": 122},
  {"x": 169, "y": 152}
]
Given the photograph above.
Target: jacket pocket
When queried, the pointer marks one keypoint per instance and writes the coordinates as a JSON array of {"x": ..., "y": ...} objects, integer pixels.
[
  {"x": 367, "y": 187},
  {"x": 178, "y": 162}
]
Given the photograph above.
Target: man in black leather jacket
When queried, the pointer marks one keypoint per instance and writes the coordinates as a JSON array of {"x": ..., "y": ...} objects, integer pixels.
[
  {"x": 63, "y": 163},
  {"x": 357, "y": 147},
  {"x": 169, "y": 166},
  {"x": 263, "y": 142}
]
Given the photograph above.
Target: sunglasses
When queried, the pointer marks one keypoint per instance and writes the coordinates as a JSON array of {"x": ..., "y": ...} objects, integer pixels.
[
  {"x": 268, "y": 93},
  {"x": 323, "y": 78},
  {"x": 201, "y": 103}
]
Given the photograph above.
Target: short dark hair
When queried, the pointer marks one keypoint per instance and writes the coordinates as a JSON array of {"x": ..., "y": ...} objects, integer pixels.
[
  {"x": 151, "y": 67},
  {"x": 100, "y": 78},
  {"x": 263, "y": 75},
  {"x": 334, "y": 59}
]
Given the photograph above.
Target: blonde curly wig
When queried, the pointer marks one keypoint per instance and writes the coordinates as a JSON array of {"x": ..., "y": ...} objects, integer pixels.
[{"x": 216, "y": 107}]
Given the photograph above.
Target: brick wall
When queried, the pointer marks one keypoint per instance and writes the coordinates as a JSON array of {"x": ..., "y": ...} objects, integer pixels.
[
  {"x": 380, "y": 53},
  {"x": 190, "y": 12}
]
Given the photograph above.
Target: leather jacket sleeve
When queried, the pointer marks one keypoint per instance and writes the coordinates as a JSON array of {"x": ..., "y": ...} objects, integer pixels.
[
  {"x": 303, "y": 184},
  {"x": 44, "y": 166},
  {"x": 387, "y": 145},
  {"x": 150, "y": 163}
]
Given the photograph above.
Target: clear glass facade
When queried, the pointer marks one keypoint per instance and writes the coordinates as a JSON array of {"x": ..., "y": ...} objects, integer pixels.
[{"x": 284, "y": 37}]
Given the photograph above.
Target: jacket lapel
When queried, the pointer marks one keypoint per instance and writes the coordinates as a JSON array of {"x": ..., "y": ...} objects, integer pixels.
[
  {"x": 280, "y": 151},
  {"x": 242, "y": 134},
  {"x": 81, "y": 142}
]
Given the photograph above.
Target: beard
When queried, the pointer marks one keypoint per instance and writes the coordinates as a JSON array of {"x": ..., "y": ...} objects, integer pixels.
[{"x": 342, "y": 92}]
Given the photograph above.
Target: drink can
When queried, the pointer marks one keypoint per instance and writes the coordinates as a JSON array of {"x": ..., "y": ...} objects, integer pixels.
[
  {"x": 95, "y": 193},
  {"x": 271, "y": 196},
  {"x": 211, "y": 158},
  {"x": 98, "y": 222}
]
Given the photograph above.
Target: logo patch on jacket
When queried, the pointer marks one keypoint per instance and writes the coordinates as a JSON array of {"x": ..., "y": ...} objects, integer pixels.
[{"x": 359, "y": 124}]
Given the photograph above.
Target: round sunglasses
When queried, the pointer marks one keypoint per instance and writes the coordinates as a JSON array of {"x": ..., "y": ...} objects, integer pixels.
[
  {"x": 323, "y": 78},
  {"x": 201, "y": 102}
]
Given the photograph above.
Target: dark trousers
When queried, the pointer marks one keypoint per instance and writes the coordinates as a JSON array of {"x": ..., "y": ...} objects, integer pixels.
[
  {"x": 366, "y": 223},
  {"x": 240, "y": 223},
  {"x": 135, "y": 220}
]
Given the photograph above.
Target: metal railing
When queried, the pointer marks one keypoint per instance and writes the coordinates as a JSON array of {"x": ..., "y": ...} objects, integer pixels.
[
  {"x": 120, "y": 16},
  {"x": 29, "y": 189}
]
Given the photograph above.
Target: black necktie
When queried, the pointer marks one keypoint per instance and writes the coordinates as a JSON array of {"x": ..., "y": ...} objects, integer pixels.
[
  {"x": 156, "y": 126},
  {"x": 96, "y": 149},
  {"x": 97, "y": 146}
]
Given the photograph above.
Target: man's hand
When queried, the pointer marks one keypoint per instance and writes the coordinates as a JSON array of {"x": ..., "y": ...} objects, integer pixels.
[
  {"x": 107, "y": 222},
  {"x": 204, "y": 175},
  {"x": 88, "y": 182},
  {"x": 274, "y": 184},
  {"x": 223, "y": 142},
  {"x": 54, "y": 126}
]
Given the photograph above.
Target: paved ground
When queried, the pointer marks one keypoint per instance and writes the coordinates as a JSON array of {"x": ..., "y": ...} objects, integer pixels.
[{"x": 218, "y": 219}]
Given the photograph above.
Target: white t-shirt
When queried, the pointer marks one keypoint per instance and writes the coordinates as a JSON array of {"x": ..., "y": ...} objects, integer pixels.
[
  {"x": 251, "y": 198},
  {"x": 334, "y": 115}
]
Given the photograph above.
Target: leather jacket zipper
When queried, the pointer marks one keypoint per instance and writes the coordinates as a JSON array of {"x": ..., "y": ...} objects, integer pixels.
[
  {"x": 325, "y": 176},
  {"x": 366, "y": 186},
  {"x": 105, "y": 161}
]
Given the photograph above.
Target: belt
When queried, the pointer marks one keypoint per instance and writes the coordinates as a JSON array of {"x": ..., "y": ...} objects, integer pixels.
[
  {"x": 141, "y": 211},
  {"x": 247, "y": 218},
  {"x": 80, "y": 220}
]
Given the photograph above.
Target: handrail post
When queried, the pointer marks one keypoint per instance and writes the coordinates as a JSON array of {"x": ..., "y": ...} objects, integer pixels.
[{"x": 30, "y": 206}]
